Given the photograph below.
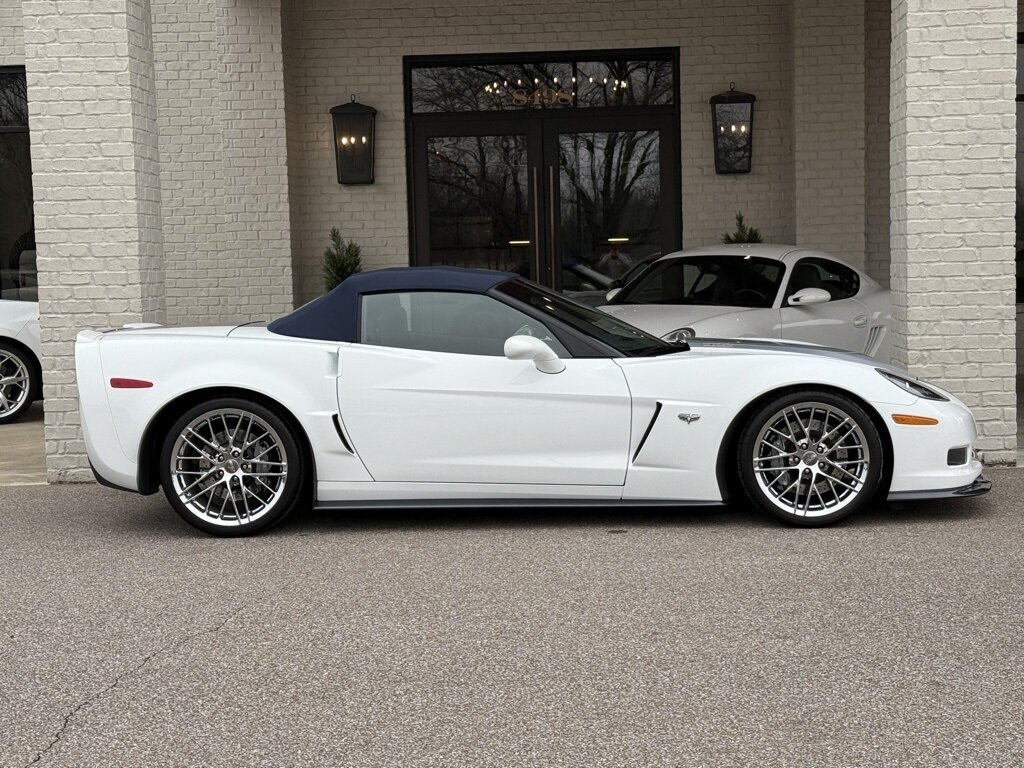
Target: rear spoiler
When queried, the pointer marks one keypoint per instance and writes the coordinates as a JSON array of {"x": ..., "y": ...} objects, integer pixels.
[{"x": 89, "y": 335}]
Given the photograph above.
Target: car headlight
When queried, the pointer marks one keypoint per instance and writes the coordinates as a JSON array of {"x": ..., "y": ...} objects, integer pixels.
[
  {"x": 911, "y": 386},
  {"x": 678, "y": 335}
]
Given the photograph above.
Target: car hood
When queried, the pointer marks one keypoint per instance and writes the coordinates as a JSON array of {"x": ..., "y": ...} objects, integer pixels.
[
  {"x": 707, "y": 345},
  {"x": 660, "y": 319}
]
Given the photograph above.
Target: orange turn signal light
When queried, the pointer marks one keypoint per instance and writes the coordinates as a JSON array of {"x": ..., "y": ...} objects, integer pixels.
[{"x": 914, "y": 421}]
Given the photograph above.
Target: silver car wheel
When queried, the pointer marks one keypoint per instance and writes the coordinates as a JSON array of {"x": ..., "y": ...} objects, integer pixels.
[
  {"x": 15, "y": 383},
  {"x": 811, "y": 459},
  {"x": 228, "y": 467}
]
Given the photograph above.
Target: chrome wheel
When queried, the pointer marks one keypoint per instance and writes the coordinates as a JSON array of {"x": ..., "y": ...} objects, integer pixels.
[
  {"x": 811, "y": 459},
  {"x": 15, "y": 383},
  {"x": 228, "y": 467}
]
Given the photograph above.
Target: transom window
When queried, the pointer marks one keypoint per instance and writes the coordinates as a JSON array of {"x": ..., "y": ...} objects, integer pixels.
[
  {"x": 562, "y": 82},
  {"x": 440, "y": 321}
]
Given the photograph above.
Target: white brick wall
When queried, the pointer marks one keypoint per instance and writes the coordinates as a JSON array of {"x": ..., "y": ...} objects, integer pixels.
[
  {"x": 12, "y": 39},
  {"x": 219, "y": 80},
  {"x": 953, "y": 166},
  {"x": 334, "y": 49},
  {"x": 877, "y": 36},
  {"x": 97, "y": 194},
  {"x": 828, "y": 126}
]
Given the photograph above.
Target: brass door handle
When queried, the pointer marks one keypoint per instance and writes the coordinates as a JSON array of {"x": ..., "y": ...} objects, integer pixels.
[
  {"x": 536, "y": 223},
  {"x": 551, "y": 217}
]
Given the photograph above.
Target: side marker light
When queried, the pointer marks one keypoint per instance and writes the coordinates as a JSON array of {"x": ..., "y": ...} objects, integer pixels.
[
  {"x": 914, "y": 421},
  {"x": 130, "y": 384}
]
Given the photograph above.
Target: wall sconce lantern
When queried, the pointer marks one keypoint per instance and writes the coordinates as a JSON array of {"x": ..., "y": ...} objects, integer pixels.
[
  {"x": 732, "y": 123},
  {"x": 353, "y": 142}
]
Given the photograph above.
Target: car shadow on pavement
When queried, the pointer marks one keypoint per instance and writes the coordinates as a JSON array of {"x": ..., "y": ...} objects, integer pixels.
[
  {"x": 523, "y": 517},
  {"x": 154, "y": 516},
  {"x": 734, "y": 515}
]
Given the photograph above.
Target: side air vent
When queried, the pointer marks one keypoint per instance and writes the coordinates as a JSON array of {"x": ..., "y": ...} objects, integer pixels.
[
  {"x": 341, "y": 434},
  {"x": 647, "y": 432},
  {"x": 874, "y": 339}
]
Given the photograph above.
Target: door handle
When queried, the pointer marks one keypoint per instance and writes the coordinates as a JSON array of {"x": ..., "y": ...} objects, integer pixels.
[
  {"x": 551, "y": 219},
  {"x": 860, "y": 321},
  {"x": 536, "y": 223}
]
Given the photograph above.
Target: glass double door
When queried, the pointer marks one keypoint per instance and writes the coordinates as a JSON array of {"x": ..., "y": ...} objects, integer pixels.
[{"x": 572, "y": 202}]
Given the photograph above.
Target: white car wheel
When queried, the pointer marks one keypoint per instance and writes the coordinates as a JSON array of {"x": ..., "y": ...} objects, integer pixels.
[
  {"x": 810, "y": 458},
  {"x": 231, "y": 467},
  {"x": 17, "y": 383}
]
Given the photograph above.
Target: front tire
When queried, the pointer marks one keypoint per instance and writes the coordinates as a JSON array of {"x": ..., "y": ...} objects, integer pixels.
[
  {"x": 231, "y": 467},
  {"x": 810, "y": 458},
  {"x": 18, "y": 383}
]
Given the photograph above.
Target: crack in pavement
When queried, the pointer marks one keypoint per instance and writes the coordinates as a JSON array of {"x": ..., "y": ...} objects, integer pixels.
[{"x": 170, "y": 649}]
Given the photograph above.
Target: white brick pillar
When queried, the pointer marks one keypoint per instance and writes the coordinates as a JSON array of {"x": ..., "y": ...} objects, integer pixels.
[
  {"x": 828, "y": 126},
  {"x": 952, "y": 204},
  {"x": 97, "y": 191}
]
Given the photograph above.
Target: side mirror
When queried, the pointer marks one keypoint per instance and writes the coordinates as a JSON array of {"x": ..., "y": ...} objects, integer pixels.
[
  {"x": 612, "y": 294},
  {"x": 807, "y": 296},
  {"x": 531, "y": 348}
]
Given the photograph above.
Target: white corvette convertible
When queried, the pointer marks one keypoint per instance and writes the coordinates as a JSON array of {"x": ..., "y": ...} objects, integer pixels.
[
  {"x": 426, "y": 386},
  {"x": 758, "y": 291}
]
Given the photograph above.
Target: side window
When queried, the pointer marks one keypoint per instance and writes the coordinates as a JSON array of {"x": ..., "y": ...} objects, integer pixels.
[
  {"x": 840, "y": 281},
  {"x": 435, "y": 321}
]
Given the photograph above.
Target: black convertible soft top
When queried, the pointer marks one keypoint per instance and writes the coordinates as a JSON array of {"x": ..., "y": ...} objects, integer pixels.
[{"x": 335, "y": 315}]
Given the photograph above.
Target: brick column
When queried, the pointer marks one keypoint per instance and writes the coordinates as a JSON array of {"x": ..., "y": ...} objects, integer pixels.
[
  {"x": 828, "y": 126},
  {"x": 952, "y": 180},
  {"x": 97, "y": 190}
]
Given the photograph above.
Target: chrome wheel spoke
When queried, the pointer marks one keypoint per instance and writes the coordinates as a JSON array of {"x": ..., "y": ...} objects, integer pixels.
[
  {"x": 844, "y": 471},
  {"x": 216, "y": 448},
  {"x": 781, "y": 454}
]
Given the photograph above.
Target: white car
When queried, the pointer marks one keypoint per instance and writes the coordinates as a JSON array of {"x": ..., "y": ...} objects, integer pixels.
[
  {"x": 758, "y": 291},
  {"x": 21, "y": 380},
  {"x": 428, "y": 386}
]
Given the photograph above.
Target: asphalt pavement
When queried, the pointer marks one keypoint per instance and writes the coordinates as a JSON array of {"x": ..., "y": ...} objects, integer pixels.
[{"x": 511, "y": 638}]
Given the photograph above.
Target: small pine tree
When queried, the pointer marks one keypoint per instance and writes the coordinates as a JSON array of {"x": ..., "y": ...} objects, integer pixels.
[
  {"x": 341, "y": 260},
  {"x": 743, "y": 233}
]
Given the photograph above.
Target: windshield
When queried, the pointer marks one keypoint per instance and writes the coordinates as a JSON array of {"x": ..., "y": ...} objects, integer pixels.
[
  {"x": 727, "y": 281},
  {"x": 622, "y": 337}
]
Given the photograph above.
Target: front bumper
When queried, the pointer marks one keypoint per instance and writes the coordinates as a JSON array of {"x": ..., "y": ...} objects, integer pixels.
[{"x": 979, "y": 487}]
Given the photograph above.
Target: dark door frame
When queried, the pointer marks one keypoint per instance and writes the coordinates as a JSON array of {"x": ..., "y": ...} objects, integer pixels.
[{"x": 542, "y": 127}]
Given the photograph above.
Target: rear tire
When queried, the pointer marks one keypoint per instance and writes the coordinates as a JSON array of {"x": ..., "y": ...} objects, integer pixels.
[
  {"x": 232, "y": 467},
  {"x": 810, "y": 458},
  {"x": 19, "y": 381}
]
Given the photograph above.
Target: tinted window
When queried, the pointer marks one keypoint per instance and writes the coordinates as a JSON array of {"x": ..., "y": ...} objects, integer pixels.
[
  {"x": 462, "y": 323},
  {"x": 728, "y": 281},
  {"x": 17, "y": 239},
  {"x": 622, "y": 337},
  {"x": 568, "y": 84},
  {"x": 841, "y": 282}
]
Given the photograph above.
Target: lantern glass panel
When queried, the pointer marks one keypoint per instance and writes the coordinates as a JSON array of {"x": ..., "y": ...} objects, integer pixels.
[
  {"x": 353, "y": 145},
  {"x": 732, "y": 125}
]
